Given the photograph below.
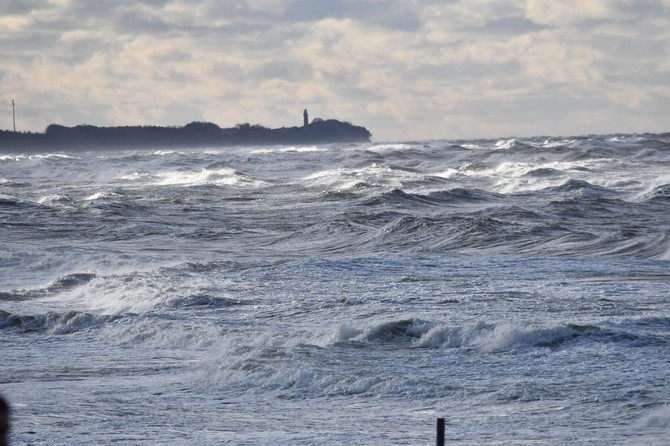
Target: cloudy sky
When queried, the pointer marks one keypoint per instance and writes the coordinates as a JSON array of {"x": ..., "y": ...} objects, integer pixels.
[{"x": 405, "y": 69}]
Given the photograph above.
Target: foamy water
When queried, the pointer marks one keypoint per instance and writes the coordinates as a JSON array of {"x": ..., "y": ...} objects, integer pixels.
[{"x": 339, "y": 294}]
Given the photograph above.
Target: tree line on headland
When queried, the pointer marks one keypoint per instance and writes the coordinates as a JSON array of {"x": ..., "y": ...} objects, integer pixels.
[{"x": 195, "y": 134}]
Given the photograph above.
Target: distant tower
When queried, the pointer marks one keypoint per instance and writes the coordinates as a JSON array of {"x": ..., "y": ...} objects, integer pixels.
[
  {"x": 14, "y": 116},
  {"x": 305, "y": 118}
]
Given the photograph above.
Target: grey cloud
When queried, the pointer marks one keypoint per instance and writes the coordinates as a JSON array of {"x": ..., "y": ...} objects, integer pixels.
[
  {"x": 642, "y": 7},
  {"x": 79, "y": 51},
  {"x": 240, "y": 11},
  {"x": 643, "y": 73},
  {"x": 310, "y": 10},
  {"x": 18, "y": 7},
  {"x": 45, "y": 107},
  {"x": 286, "y": 70},
  {"x": 630, "y": 52},
  {"x": 509, "y": 26},
  {"x": 358, "y": 94},
  {"x": 390, "y": 14},
  {"x": 659, "y": 106},
  {"x": 173, "y": 56},
  {"x": 182, "y": 113},
  {"x": 554, "y": 104},
  {"x": 229, "y": 72},
  {"x": 28, "y": 42},
  {"x": 345, "y": 82},
  {"x": 142, "y": 24},
  {"x": 81, "y": 10},
  {"x": 154, "y": 3},
  {"x": 58, "y": 24},
  {"x": 173, "y": 76},
  {"x": 465, "y": 71}
]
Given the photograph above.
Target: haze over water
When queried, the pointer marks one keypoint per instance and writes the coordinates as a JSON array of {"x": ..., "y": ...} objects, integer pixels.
[{"x": 339, "y": 294}]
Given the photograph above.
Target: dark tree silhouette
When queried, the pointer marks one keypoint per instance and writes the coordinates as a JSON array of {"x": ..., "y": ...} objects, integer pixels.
[{"x": 194, "y": 134}]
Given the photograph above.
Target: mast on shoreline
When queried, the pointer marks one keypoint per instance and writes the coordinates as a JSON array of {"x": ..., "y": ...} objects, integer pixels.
[{"x": 13, "y": 116}]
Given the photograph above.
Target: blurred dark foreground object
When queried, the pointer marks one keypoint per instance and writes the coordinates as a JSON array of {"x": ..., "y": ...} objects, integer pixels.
[{"x": 4, "y": 421}]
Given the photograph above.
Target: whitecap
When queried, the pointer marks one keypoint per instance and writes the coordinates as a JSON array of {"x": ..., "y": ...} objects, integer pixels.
[
  {"x": 222, "y": 177},
  {"x": 505, "y": 144},
  {"x": 102, "y": 196},
  {"x": 48, "y": 199},
  {"x": 292, "y": 149}
]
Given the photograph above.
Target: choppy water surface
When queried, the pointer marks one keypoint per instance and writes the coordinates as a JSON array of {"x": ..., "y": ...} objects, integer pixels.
[{"x": 339, "y": 294}]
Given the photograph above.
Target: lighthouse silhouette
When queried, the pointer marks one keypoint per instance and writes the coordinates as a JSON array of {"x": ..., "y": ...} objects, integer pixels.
[{"x": 305, "y": 118}]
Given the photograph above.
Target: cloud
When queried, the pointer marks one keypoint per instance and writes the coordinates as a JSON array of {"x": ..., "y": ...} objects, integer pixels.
[
  {"x": 310, "y": 11},
  {"x": 510, "y": 26},
  {"x": 142, "y": 23},
  {"x": 18, "y": 7},
  {"x": 404, "y": 68},
  {"x": 568, "y": 11},
  {"x": 283, "y": 69}
]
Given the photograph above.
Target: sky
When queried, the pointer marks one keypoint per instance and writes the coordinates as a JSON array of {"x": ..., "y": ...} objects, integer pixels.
[{"x": 404, "y": 69}]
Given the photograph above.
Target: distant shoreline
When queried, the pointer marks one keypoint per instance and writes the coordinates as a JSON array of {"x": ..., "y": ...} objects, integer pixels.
[{"x": 193, "y": 135}]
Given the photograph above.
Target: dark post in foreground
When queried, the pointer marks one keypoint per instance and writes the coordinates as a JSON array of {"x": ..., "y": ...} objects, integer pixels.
[{"x": 440, "y": 432}]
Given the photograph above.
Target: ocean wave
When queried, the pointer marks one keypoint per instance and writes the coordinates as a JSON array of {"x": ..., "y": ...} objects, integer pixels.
[
  {"x": 54, "y": 199},
  {"x": 455, "y": 196},
  {"x": 491, "y": 337},
  {"x": 289, "y": 149},
  {"x": 544, "y": 172},
  {"x": 139, "y": 177},
  {"x": 511, "y": 144},
  {"x": 109, "y": 205},
  {"x": 460, "y": 232},
  {"x": 158, "y": 330},
  {"x": 221, "y": 177},
  {"x": 51, "y": 322},
  {"x": 203, "y": 300},
  {"x": 660, "y": 194},
  {"x": 40, "y": 156},
  {"x": 103, "y": 196},
  {"x": 397, "y": 197},
  {"x": 4, "y": 182},
  {"x": 580, "y": 185},
  {"x": 374, "y": 175},
  {"x": 265, "y": 364},
  {"x": 465, "y": 195},
  {"x": 59, "y": 285},
  {"x": 9, "y": 200},
  {"x": 217, "y": 174}
]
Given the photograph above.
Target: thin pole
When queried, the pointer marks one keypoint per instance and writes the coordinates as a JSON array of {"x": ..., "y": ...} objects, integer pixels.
[
  {"x": 440, "y": 432},
  {"x": 13, "y": 116}
]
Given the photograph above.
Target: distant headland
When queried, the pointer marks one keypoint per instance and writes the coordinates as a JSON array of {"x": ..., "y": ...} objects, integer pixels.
[{"x": 195, "y": 134}]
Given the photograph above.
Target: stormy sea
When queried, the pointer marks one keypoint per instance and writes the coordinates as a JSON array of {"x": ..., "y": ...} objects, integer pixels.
[{"x": 339, "y": 294}]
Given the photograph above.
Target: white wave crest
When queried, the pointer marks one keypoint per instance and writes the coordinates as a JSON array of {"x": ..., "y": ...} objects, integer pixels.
[
  {"x": 344, "y": 179},
  {"x": 481, "y": 336},
  {"x": 102, "y": 196},
  {"x": 49, "y": 199},
  {"x": 292, "y": 149},
  {"x": 222, "y": 176}
]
